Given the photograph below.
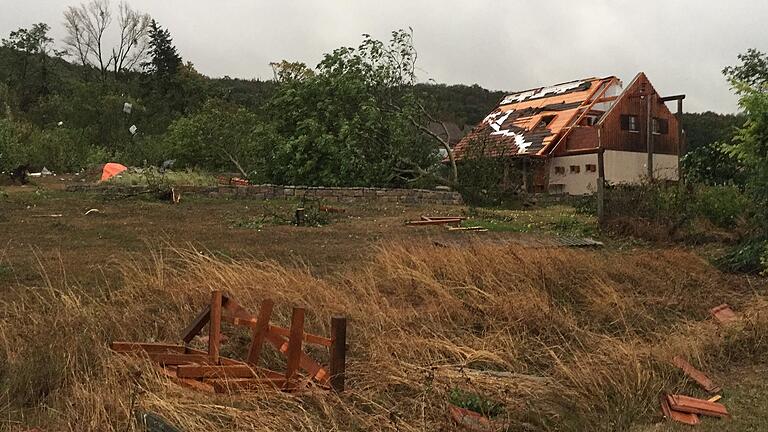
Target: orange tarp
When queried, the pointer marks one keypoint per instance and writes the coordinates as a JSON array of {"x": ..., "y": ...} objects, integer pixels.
[{"x": 112, "y": 169}]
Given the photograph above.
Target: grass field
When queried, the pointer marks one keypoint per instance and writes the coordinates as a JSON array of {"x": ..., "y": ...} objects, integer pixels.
[{"x": 585, "y": 334}]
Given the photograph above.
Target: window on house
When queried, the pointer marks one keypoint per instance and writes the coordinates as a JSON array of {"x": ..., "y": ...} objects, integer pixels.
[
  {"x": 560, "y": 170},
  {"x": 630, "y": 123},
  {"x": 575, "y": 169},
  {"x": 592, "y": 120},
  {"x": 590, "y": 167},
  {"x": 660, "y": 126}
]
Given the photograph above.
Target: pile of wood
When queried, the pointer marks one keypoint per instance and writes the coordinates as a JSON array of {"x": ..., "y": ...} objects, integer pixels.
[
  {"x": 686, "y": 409},
  {"x": 210, "y": 372}
]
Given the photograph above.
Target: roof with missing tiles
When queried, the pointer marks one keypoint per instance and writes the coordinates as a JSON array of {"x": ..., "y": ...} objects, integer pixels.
[{"x": 532, "y": 121}]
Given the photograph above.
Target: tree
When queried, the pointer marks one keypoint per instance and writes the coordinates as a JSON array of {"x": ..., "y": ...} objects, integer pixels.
[
  {"x": 87, "y": 26},
  {"x": 221, "y": 136},
  {"x": 165, "y": 60},
  {"x": 285, "y": 71},
  {"x": 31, "y": 46},
  {"x": 752, "y": 72},
  {"x": 350, "y": 123}
]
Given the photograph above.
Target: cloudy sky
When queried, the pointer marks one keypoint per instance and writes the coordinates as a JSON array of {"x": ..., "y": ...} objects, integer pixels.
[{"x": 510, "y": 45}]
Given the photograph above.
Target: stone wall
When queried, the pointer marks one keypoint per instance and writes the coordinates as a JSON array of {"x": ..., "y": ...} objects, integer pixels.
[{"x": 264, "y": 192}]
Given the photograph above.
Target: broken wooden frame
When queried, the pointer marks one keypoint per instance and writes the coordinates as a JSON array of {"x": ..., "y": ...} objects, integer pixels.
[{"x": 209, "y": 371}]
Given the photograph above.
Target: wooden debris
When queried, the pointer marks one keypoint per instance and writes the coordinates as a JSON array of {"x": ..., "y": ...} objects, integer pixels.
[
  {"x": 472, "y": 228},
  {"x": 434, "y": 222},
  {"x": 470, "y": 420},
  {"x": 714, "y": 398},
  {"x": 723, "y": 314},
  {"x": 680, "y": 417},
  {"x": 208, "y": 371},
  {"x": 696, "y": 375},
  {"x": 691, "y": 405}
]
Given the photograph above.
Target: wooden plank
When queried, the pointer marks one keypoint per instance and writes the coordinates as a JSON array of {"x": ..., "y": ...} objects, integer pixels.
[
  {"x": 680, "y": 417},
  {"x": 214, "y": 327},
  {"x": 295, "y": 341},
  {"x": 308, "y": 338},
  {"x": 338, "y": 352},
  {"x": 714, "y": 398},
  {"x": 216, "y": 371},
  {"x": 127, "y": 347},
  {"x": 197, "y": 324},
  {"x": 260, "y": 329},
  {"x": 695, "y": 374},
  {"x": 433, "y": 222},
  {"x": 222, "y": 360},
  {"x": 696, "y": 406},
  {"x": 178, "y": 359},
  {"x": 435, "y": 218},
  {"x": 306, "y": 362},
  {"x": 170, "y": 372}
]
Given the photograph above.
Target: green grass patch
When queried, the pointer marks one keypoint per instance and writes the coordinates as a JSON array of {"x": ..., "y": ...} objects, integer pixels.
[
  {"x": 153, "y": 177},
  {"x": 561, "y": 220}
]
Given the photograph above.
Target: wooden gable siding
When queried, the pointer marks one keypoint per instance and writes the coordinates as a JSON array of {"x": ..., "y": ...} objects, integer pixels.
[
  {"x": 634, "y": 103},
  {"x": 580, "y": 138}
]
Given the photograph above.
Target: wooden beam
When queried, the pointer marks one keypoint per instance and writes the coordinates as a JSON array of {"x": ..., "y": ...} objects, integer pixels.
[
  {"x": 197, "y": 324},
  {"x": 308, "y": 338},
  {"x": 294, "y": 343},
  {"x": 216, "y": 371},
  {"x": 673, "y": 98},
  {"x": 174, "y": 359},
  {"x": 338, "y": 352},
  {"x": 307, "y": 363},
  {"x": 260, "y": 329},
  {"x": 214, "y": 327},
  {"x": 433, "y": 222}
]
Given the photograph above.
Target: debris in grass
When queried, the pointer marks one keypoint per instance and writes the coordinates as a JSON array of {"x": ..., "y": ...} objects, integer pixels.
[
  {"x": 435, "y": 221},
  {"x": 470, "y": 420},
  {"x": 472, "y": 228},
  {"x": 723, "y": 314},
  {"x": 695, "y": 374},
  {"x": 692, "y": 405},
  {"x": 93, "y": 210},
  {"x": 680, "y": 417},
  {"x": 579, "y": 242},
  {"x": 714, "y": 398},
  {"x": 210, "y": 372}
]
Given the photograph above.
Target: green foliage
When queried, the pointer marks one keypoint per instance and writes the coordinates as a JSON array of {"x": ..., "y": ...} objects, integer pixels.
[
  {"x": 349, "y": 123},
  {"x": 164, "y": 61},
  {"x": 475, "y": 402},
  {"x": 707, "y": 159},
  {"x": 154, "y": 178},
  {"x": 747, "y": 257},
  {"x": 222, "y": 136},
  {"x": 724, "y": 206}
]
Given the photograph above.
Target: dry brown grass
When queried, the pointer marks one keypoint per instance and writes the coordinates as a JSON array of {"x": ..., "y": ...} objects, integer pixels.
[{"x": 585, "y": 335}]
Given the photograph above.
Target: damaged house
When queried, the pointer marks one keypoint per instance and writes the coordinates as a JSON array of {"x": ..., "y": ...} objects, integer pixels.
[{"x": 554, "y": 137}]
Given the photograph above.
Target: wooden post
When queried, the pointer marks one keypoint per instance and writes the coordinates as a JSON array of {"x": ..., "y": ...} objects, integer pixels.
[
  {"x": 214, "y": 327},
  {"x": 294, "y": 344},
  {"x": 260, "y": 331},
  {"x": 680, "y": 146},
  {"x": 338, "y": 352},
  {"x": 649, "y": 136},
  {"x": 600, "y": 184},
  {"x": 299, "y": 216}
]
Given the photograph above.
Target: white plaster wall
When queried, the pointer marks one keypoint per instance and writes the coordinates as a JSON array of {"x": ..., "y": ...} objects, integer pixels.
[
  {"x": 620, "y": 167},
  {"x": 579, "y": 183},
  {"x": 632, "y": 167}
]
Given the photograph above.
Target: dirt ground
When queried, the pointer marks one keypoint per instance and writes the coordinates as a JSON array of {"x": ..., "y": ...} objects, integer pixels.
[{"x": 42, "y": 227}]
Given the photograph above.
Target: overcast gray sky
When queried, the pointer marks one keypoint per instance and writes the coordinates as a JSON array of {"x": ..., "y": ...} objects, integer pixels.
[{"x": 510, "y": 45}]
